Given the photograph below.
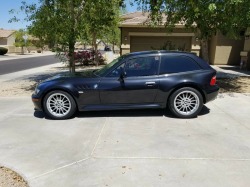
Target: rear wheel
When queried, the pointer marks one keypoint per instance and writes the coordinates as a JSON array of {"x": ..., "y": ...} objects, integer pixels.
[
  {"x": 186, "y": 102},
  {"x": 59, "y": 105}
]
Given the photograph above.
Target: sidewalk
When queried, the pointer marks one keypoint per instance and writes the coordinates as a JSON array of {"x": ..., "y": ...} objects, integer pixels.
[
  {"x": 23, "y": 83},
  {"x": 29, "y": 73},
  {"x": 26, "y": 55},
  {"x": 226, "y": 71}
]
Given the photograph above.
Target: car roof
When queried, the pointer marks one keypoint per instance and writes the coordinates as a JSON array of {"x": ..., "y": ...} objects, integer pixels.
[
  {"x": 157, "y": 52},
  {"x": 201, "y": 62}
]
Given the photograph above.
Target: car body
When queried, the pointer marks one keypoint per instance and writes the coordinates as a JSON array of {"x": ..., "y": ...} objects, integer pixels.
[
  {"x": 107, "y": 48},
  {"x": 133, "y": 81}
]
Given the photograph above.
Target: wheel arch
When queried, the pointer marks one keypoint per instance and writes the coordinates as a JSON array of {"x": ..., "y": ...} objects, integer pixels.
[
  {"x": 60, "y": 89},
  {"x": 188, "y": 85}
]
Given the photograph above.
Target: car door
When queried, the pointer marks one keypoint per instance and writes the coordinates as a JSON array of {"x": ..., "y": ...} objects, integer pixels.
[{"x": 139, "y": 87}]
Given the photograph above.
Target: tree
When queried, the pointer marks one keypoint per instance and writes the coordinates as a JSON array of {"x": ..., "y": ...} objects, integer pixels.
[
  {"x": 203, "y": 17},
  {"x": 42, "y": 38},
  {"x": 113, "y": 36},
  {"x": 100, "y": 16},
  {"x": 56, "y": 18},
  {"x": 68, "y": 20},
  {"x": 20, "y": 42},
  {"x": 39, "y": 43}
]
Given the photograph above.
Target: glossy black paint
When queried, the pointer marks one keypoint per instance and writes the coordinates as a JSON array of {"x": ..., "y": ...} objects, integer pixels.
[
  {"x": 107, "y": 93},
  {"x": 132, "y": 91}
]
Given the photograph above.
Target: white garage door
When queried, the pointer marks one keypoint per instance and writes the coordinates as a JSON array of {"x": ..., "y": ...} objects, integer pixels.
[{"x": 144, "y": 43}]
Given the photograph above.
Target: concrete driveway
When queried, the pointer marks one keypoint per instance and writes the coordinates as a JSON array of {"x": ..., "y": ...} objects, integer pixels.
[{"x": 129, "y": 148}]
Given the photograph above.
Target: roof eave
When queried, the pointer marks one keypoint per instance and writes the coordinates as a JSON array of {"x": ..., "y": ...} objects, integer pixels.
[
  {"x": 144, "y": 26},
  {"x": 7, "y": 36}
]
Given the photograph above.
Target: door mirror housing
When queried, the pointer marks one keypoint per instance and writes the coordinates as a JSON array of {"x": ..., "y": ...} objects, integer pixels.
[
  {"x": 122, "y": 77},
  {"x": 124, "y": 74}
]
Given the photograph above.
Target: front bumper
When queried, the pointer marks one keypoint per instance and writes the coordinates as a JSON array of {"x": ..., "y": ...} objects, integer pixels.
[
  {"x": 212, "y": 96},
  {"x": 37, "y": 102}
]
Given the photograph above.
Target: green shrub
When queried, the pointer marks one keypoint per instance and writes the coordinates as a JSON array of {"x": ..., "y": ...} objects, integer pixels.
[
  {"x": 58, "y": 49},
  {"x": 169, "y": 47},
  {"x": 53, "y": 50},
  {"x": 3, "y": 51},
  {"x": 39, "y": 51}
]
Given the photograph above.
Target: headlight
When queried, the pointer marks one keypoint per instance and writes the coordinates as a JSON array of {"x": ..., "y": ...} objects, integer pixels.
[{"x": 36, "y": 91}]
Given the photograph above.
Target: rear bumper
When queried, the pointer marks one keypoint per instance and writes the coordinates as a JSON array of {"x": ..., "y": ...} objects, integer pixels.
[
  {"x": 37, "y": 102},
  {"x": 212, "y": 96}
]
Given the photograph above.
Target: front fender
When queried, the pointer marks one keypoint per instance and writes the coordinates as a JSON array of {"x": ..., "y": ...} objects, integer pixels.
[{"x": 47, "y": 87}]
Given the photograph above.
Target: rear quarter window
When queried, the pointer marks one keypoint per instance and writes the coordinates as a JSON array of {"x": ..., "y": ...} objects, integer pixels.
[{"x": 177, "y": 64}]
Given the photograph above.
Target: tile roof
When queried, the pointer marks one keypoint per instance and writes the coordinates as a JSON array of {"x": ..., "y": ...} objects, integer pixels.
[
  {"x": 5, "y": 33},
  {"x": 32, "y": 38},
  {"x": 134, "y": 18},
  {"x": 139, "y": 17},
  {"x": 134, "y": 14}
]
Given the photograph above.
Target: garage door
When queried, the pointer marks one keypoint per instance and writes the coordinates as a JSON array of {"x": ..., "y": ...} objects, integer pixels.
[{"x": 145, "y": 43}]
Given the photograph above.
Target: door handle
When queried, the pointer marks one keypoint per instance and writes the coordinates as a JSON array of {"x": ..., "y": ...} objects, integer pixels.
[{"x": 149, "y": 83}]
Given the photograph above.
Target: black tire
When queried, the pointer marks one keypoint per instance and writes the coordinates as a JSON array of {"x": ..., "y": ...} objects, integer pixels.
[
  {"x": 70, "y": 111},
  {"x": 171, "y": 102}
]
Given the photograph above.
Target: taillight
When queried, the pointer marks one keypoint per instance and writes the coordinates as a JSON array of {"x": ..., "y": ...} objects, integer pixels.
[{"x": 213, "y": 81}]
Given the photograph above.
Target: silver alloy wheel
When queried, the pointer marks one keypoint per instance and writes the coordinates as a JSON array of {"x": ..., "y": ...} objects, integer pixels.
[
  {"x": 58, "y": 105},
  {"x": 186, "y": 103}
]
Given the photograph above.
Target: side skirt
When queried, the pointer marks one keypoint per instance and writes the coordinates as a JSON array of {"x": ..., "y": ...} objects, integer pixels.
[{"x": 119, "y": 107}]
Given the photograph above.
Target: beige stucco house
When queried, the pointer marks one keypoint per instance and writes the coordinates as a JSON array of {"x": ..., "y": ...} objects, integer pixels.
[
  {"x": 138, "y": 37},
  {"x": 7, "y": 40},
  {"x": 6, "y": 37}
]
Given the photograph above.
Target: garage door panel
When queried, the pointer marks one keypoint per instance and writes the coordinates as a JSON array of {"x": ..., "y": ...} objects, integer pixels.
[{"x": 146, "y": 43}]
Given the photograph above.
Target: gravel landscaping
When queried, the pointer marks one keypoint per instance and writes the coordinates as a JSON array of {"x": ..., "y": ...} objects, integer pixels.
[
  {"x": 234, "y": 85},
  {"x": 9, "y": 178}
]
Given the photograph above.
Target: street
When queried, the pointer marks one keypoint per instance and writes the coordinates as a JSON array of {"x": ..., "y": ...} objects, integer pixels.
[{"x": 10, "y": 66}]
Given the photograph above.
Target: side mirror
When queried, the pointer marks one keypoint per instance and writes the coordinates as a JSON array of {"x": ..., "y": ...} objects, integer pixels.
[
  {"x": 124, "y": 74},
  {"x": 122, "y": 77}
]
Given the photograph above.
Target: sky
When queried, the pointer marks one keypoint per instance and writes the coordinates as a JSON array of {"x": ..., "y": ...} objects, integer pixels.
[{"x": 7, "y": 5}]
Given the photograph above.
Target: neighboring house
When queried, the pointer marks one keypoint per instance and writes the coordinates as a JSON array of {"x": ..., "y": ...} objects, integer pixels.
[
  {"x": 101, "y": 44},
  {"x": 7, "y": 40},
  {"x": 6, "y": 37},
  {"x": 138, "y": 37}
]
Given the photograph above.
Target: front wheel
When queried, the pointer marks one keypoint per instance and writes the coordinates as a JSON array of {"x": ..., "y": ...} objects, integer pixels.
[
  {"x": 59, "y": 105},
  {"x": 186, "y": 102}
]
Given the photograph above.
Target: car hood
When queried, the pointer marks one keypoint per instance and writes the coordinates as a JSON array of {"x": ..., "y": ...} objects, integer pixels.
[{"x": 84, "y": 74}]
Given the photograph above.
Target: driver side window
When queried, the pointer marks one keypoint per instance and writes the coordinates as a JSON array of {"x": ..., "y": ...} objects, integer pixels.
[
  {"x": 117, "y": 71},
  {"x": 143, "y": 66}
]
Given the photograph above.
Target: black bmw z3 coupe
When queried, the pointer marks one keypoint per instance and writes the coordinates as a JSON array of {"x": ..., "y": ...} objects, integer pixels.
[{"x": 180, "y": 81}]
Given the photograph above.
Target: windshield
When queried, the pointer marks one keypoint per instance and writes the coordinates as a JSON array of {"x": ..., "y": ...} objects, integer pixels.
[{"x": 102, "y": 71}]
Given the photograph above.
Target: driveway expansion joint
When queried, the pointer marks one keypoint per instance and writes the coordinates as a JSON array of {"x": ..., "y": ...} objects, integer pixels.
[
  {"x": 51, "y": 171},
  {"x": 173, "y": 158},
  {"x": 76, "y": 162},
  {"x": 97, "y": 142},
  {"x": 143, "y": 158}
]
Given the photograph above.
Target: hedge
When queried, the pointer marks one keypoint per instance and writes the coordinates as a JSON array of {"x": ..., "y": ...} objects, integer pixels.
[{"x": 3, "y": 51}]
